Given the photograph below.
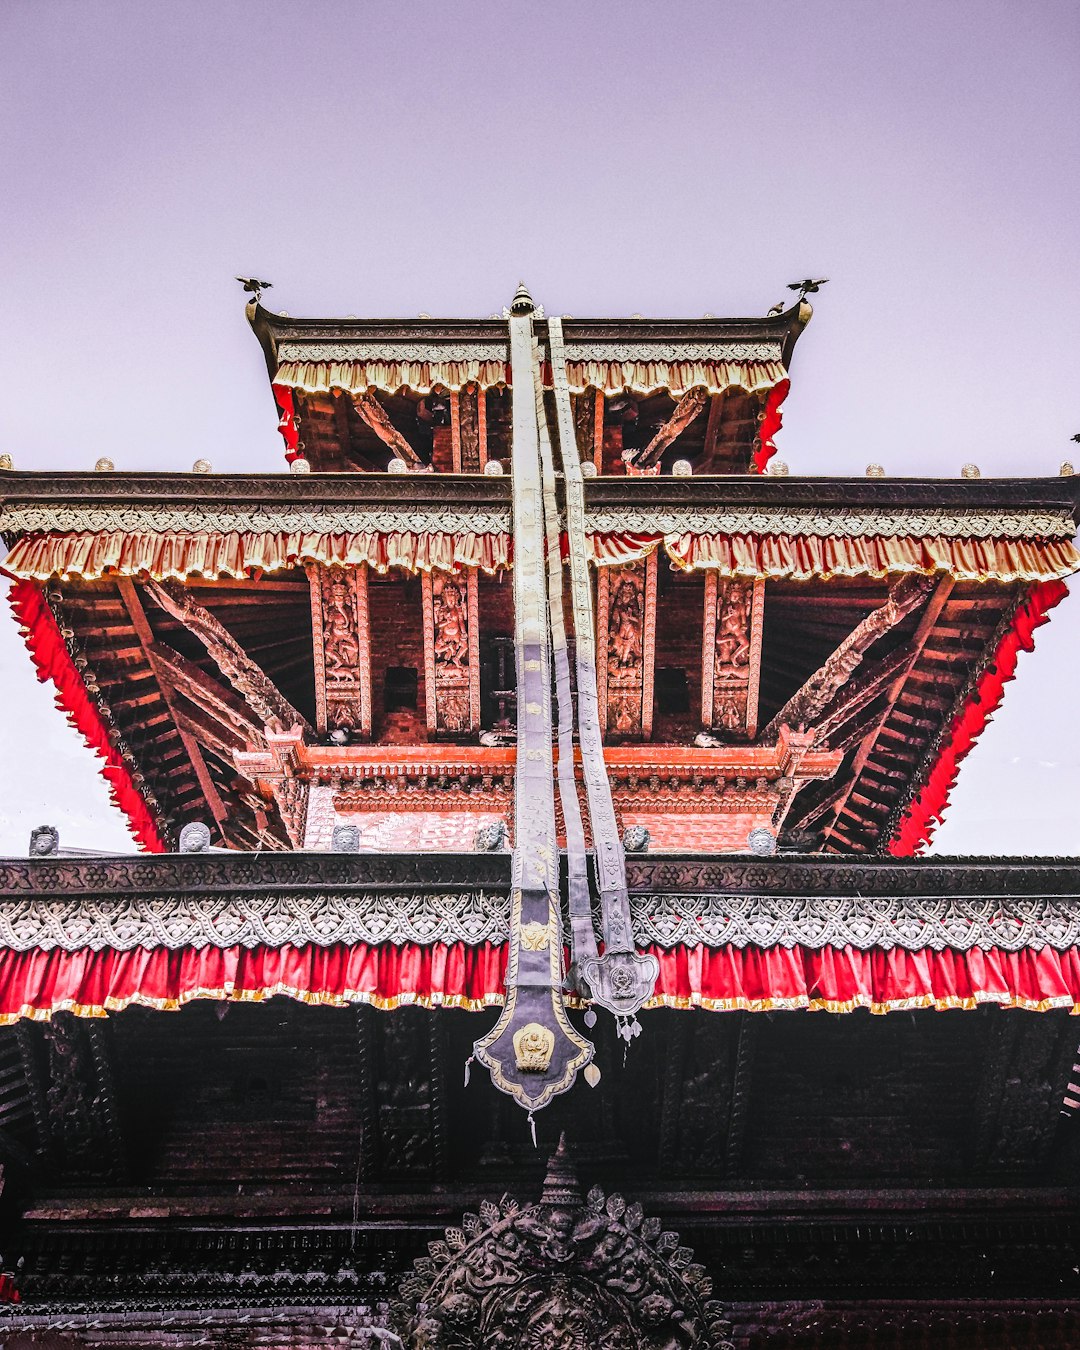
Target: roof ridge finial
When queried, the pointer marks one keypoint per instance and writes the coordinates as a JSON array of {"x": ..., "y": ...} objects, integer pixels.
[
  {"x": 522, "y": 303},
  {"x": 561, "y": 1187}
]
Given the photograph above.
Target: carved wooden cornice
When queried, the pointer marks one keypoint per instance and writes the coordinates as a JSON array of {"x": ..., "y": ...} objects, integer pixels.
[
  {"x": 76, "y": 493},
  {"x": 221, "y": 901}
]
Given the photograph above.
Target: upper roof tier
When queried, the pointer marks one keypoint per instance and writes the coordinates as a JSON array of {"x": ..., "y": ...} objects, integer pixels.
[{"x": 357, "y": 394}]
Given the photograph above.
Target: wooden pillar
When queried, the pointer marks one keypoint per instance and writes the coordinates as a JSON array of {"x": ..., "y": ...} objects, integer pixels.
[
  {"x": 342, "y": 647},
  {"x": 598, "y": 430},
  {"x": 481, "y": 424},
  {"x": 455, "y": 429},
  {"x": 451, "y": 651},
  {"x": 731, "y": 653},
  {"x": 465, "y": 410},
  {"x": 626, "y": 644}
]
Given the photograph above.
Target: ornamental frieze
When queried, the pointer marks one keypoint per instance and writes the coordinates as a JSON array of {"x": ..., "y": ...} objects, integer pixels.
[
  {"x": 277, "y": 917},
  {"x": 367, "y": 518}
]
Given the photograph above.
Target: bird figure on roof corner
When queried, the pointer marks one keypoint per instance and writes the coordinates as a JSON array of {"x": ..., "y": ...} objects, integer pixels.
[
  {"x": 1075, "y": 438},
  {"x": 808, "y": 286},
  {"x": 254, "y": 287}
]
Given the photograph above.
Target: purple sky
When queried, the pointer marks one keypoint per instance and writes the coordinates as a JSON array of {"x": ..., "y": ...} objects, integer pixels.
[{"x": 373, "y": 158}]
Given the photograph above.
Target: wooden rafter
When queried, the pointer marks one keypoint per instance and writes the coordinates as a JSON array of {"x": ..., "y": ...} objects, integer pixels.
[
  {"x": 133, "y": 605},
  {"x": 927, "y": 622},
  {"x": 374, "y": 414}
]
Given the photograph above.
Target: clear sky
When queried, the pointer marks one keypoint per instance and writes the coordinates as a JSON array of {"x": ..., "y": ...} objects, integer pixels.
[{"x": 393, "y": 158}]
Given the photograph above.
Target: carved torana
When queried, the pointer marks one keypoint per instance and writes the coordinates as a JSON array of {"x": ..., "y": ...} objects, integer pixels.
[
  {"x": 342, "y": 647},
  {"x": 563, "y": 1274}
]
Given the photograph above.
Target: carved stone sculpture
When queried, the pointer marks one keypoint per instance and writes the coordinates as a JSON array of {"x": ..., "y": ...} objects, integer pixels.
[
  {"x": 345, "y": 839},
  {"x": 45, "y": 842},
  {"x": 492, "y": 838},
  {"x": 195, "y": 837},
  {"x": 636, "y": 839}
]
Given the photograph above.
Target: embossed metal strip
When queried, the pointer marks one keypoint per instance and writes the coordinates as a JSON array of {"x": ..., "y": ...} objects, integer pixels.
[
  {"x": 532, "y": 1052},
  {"x": 326, "y": 914},
  {"x": 583, "y": 935},
  {"x": 620, "y": 980}
]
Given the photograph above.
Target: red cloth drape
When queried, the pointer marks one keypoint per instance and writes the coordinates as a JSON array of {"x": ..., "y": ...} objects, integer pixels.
[
  {"x": 38, "y": 983},
  {"x": 771, "y": 423},
  {"x": 927, "y": 810},
  {"x": 52, "y": 661},
  {"x": 290, "y": 432}
]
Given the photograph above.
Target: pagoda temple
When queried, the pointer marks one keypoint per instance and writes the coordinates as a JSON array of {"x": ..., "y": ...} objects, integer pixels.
[{"x": 514, "y": 767}]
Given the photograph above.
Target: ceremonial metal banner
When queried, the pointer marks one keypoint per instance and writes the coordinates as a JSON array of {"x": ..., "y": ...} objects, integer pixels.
[
  {"x": 533, "y": 1053},
  {"x": 621, "y": 980}
]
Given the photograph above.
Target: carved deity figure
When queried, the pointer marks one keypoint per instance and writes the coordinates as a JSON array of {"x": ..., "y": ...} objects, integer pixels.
[
  {"x": 451, "y": 624},
  {"x": 339, "y": 626},
  {"x": 625, "y": 619},
  {"x": 732, "y": 630}
]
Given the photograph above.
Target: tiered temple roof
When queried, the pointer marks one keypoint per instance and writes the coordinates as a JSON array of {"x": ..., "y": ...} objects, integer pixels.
[{"x": 350, "y": 654}]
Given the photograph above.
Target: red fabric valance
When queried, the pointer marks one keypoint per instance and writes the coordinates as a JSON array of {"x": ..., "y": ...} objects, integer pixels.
[
  {"x": 237, "y": 553},
  {"x": 928, "y": 809},
  {"x": 37, "y": 984},
  {"x": 52, "y": 660}
]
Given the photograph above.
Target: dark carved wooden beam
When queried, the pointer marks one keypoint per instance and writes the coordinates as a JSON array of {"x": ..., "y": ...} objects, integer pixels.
[
  {"x": 806, "y": 706},
  {"x": 374, "y": 414},
  {"x": 270, "y": 707},
  {"x": 688, "y": 409}
]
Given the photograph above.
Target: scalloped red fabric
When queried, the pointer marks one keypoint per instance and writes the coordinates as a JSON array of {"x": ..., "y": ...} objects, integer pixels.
[
  {"x": 926, "y": 812},
  {"x": 52, "y": 660}
]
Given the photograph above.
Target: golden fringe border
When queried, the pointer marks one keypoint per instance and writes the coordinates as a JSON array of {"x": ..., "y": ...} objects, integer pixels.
[{"x": 351, "y": 997}]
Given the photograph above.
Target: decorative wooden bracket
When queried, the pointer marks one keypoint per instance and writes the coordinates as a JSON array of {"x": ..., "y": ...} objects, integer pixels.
[
  {"x": 452, "y": 651},
  {"x": 246, "y": 678},
  {"x": 688, "y": 409},
  {"x": 804, "y": 708},
  {"x": 731, "y": 654},
  {"x": 373, "y": 413},
  {"x": 342, "y": 647},
  {"x": 626, "y": 643}
]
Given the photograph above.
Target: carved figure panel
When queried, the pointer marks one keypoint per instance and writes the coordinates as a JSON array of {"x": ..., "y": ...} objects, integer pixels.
[
  {"x": 731, "y": 653},
  {"x": 626, "y": 625},
  {"x": 451, "y": 651},
  {"x": 339, "y": 619}
]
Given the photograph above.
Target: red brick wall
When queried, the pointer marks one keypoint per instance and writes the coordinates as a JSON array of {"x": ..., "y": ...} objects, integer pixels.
[{"x": 397, "y": 639}]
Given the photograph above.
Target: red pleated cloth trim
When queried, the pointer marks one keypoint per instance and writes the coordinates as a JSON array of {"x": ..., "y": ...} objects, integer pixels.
[
  {"x": 927, "y": 810},
  {"x": 37, "y": 984},
  {"x": 52, "y": 660}
]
